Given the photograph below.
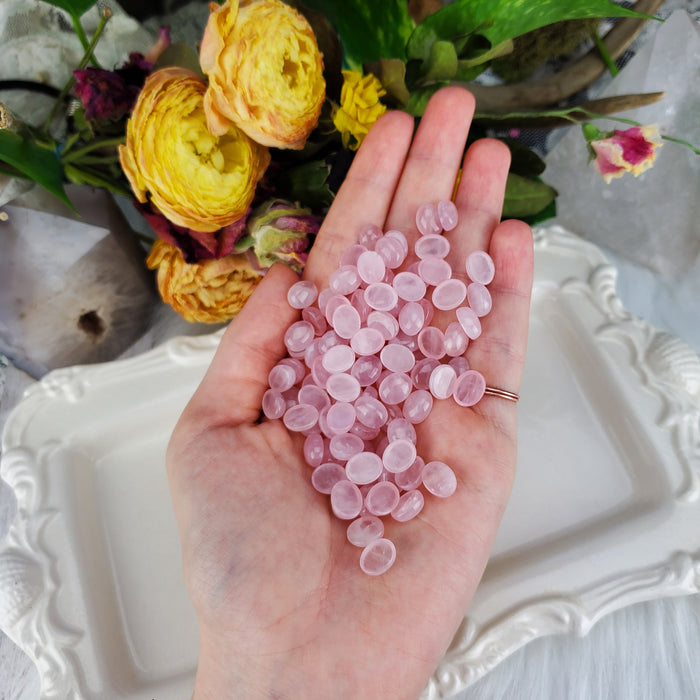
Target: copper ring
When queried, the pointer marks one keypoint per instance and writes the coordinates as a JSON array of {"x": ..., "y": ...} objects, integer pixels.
[{"x": 501, "y": 394}]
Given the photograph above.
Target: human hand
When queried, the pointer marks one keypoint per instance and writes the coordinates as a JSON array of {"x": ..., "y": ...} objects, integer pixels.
[{"x": 283, "y": 608}]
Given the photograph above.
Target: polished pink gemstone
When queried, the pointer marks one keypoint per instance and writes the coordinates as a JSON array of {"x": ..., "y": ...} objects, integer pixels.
[
  {"x": 439, "y": 479},
  {"x": 427, "y": 220},
  {"x": 460, "y": 364},
  {"x": 326, "y": 476},
  {"x": 298, "y": 336},
  {"x": 395, "y": 387},
  {"x": 315, "y": 317},
  {"x": 371, "y": 412},
  {"x": 469, "y": 388},
  {"x": 411, "y": 318},
  {"x": 442, "y": 381},
  {"x": 319, "y": 372},
  {"x": 384, "y": 322},
  {"x": 479, "y": 298},
  {"x": 323, "y": 423},
  {"x": 447, "y": 214},
  {"x": 409, "y": 505},
  {"x": 409, "y": 341},
  {"x": 323, "y": 296},
  {"x": 301, "y": 417},
  {"x": 382, "y": 498},
  {"x": 391, "y": 252},
  {"x": 409, "y": 286},
  {"x": 346, "y": 321},
  {"x": 312, "y": 351},
  {"x": 344, "y": 280},
  {"x": 357, "y": 299},
  {"x": 273, "y": 404},
  {"x": 412, "y": 477},
  {"x": 480, "y": 267},
  {"x": 398, "y": 236},
  {"x": 340, "y": 417},
  {"x": 434, "y": 271},
  {"x": 400, "y": 429},
  {"x": 367, "y": 341},
  {"x": 364, "y": 530},
  {"x": 302, "y": 294},
  {"x": 344, "y": 446},
  {"x": 296, "y": 365},
  {"x": 371, "y": 267},
  {"x": 366, "y": 369},
  {"x": 351, "y": 255},
  {"x": 431, "y": 342},
  {"x": 417, "y": 407},
  {"x": 314, "y": 449},
  {"x": 420, "y": 374},
  {"x": 449, "y": 294},
  {"x": 282, "y": 377},
  {"x": 333, "y": 303},
  {"x": 398, "y": 455},
  {"x": 364, "y": 468},
  {"x": 469, "y": 321},
  {"x": 397, "y": 358},
  {"x": 378, "y": 557},
  {"x": 456, "y": 340},
  {"x": 432, "y": 246},
  {"x": 369, "y": 235},
  {"x": 381, "y": 296},
  {"x": 346, "y": 499},
  {"x": 339, "y": 358},
  {"x": 342, "y": 387},
  {"x": 328, "y": 340},
  {"x": 428, "y": 309},
  {"x": 367, "y": 434}
]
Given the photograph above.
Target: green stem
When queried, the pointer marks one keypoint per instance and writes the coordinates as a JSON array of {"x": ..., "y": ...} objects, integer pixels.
[
  {"x": 695, "y": 149},
  {"x": 605, "y": 55},
  {"x": 80, "y": 33},
  {"x": 106, "y": 14},
  {"x": 105, "y": 143},
  {"x": 72, "y": 140},
  {"x": 89, "y": 176}
]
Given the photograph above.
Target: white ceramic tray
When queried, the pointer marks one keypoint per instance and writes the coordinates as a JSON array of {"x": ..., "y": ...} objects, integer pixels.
[{"x": 605, "y": 510}]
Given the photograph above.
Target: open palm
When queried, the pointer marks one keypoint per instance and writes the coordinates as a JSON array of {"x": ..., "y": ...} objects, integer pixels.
[{"x": 283, "y": 608}]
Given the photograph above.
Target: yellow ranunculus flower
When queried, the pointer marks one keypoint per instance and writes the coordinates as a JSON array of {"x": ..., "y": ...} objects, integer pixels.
[
  {"x": 195, "y": 179},
  {"x": 359, "y": 107},
  {"x": 208, "y": 291},
  {"x": 265, "y": 72}
]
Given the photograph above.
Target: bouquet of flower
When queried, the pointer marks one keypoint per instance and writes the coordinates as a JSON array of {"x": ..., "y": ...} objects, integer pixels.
[{"x": 234, "y": 153}]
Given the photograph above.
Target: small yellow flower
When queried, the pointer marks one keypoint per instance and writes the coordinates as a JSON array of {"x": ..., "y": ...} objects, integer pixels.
[
  {"x": 359, "y": 107},
  {"x": 209, "y": 291},
  {"x": 195, "y": 179},
  {"x": 265, "y": 72}
]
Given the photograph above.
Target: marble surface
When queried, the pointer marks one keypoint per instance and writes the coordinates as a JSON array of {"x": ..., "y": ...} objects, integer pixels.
[{"x": 646, "y": 651}]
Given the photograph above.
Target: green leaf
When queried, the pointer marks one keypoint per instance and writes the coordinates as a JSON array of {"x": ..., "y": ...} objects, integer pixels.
[
  {"x": 526, "y": 197},
  {"x": 37, "y": 163},
  {"x": 500, "y": 20},
  {"x": 391, "y": 73},
  {"x": 308, "y": 184},
  {"x": 75, "y": 8},
  {"x": 419, "y": 98},
  {"x": 368, "y": 29},
  {"x": 523, "y": 161},
  {"x": 442, "y": 63}
]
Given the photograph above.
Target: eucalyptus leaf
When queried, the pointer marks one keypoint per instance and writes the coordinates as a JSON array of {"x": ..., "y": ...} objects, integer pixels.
[
  {"x": 75, "y": 8},
  {"x": 500, "y": 20},
  {"x": 37, "y": 163},
  {"x": 368, "y": 29},
  {"x": 526, "y": 197}
]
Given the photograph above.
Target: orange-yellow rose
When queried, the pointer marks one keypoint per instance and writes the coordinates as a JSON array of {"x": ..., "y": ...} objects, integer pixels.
[
  {"x": 265, "y": 72},
  {"x": 209, "y": 291},
  {"x": 359, "y": 107},
  {"x": 196, "y": 179}
]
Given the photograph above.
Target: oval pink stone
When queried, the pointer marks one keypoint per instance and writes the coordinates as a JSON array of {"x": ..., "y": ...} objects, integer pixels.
[
  {"x": 432, "y": 246},
  {"x": 479, "y": 298},
  {"x": 274, "y": 404},
  {"x": 431, "y": 342},
  {"x": 346, "y": 321},
  {"x": 439, "y": 479},
  {"x": 378, "y": 557},
  {"x": 366, "y": 369},
  {"x": 427, "y": 220},
  {"x": 420, "y": 374},
  {"x": 343, "y": 387},
  {"x": 442, "y": 381},
  {"x": 456, "y": 340},
  {"x": 339, "y": 358},
  {"x": 344, "y": 280},
  {"x": 381, "y": 296},
  {"x": 382, "y": 498},
  {"x": 391, "y": 251},
  {"x": 434, "y": 271},
  {"x": 344, "y": 446},
  {"x": 346, "y": 499},
  {"x": 395, "y": 387},
  {"x": 326, "y": 476},
  {"x": 340, "y": 417},
  {"x": 367, "y": 341},
  {"x": 409, "y": 505},
  {"x": 460, "y": 364},
  {"x": 364, "y": 530},
  {"x": 447, "y": 214},
  {"x": 298, "y": 336},
  {"x": 449, "y": 294},
  {"x": 369, "y": 235},
  {"x": 417, "y": 407},
  {"x": 371, "y": 412},
  {"x": 371, "y": 267},
  {"x": 398, "y": 236},
  {"x": 301, "y": 417},
  {"x": 398, "y": 455},
  {"x": 314, "y": 448},
  {"x": 469, "y": 388},
  {"x": 397, "y": 358},
  {"x": 412, "y": 477},
  {"x": 282, "y": 377},
  {"x": 302, "y": 294},
  {"x": 480, "y": 267},
  {"x": 400, "y": 429},
  {"x": 409, "y": 286},
  {"x": 315, "y": 317},
  {"x": 364, "y": 468},
  {"x": 469, "y": 321},
  {"x": 411, "y": 318},
  {"x": 351, "y": 255},
  {"x": 384, "y": 322}
]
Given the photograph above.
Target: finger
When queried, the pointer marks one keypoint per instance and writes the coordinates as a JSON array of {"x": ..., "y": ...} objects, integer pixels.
[
  {"x": 365, "y": 195},
  {"x": 499, "y": 352},
  {"x": 232, "y": 389},
  {"x": 479, "y": 198},
  {"x": 433, "y": 162}
]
